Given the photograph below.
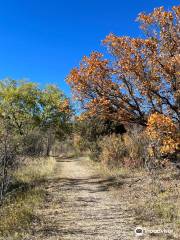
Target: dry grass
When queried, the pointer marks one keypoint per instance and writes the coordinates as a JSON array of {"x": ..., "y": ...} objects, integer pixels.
[
  {"x": 154, "y": 197},
  {"x": 160, "y": 205},
  {"x": 18, "y": 211},
  {"x": 35, "y": 169},
  {"x": 104, "y": 170}
]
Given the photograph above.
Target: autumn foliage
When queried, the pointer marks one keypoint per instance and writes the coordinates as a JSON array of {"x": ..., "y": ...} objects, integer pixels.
[
  {"x": 163, "y": 133},
  {"x": 139, "y": 82}
]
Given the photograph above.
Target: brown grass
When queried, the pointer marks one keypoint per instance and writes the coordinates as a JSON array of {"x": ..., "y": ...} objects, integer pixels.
[
  {"x": 154, "y": 197},
  {"x": 18, "y": 211}
]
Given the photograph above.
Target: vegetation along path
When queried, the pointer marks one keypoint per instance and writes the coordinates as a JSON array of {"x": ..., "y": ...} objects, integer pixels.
[{"x": 82, "y": 205}]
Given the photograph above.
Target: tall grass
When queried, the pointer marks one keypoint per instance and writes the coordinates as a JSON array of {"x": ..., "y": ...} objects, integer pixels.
[
  {"x": 35, "y": 169},
  {"x": 18, "y": 211}
]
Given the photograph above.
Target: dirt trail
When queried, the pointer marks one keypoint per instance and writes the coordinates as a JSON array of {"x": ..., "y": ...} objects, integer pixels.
[{"x": 81, "y": 205}]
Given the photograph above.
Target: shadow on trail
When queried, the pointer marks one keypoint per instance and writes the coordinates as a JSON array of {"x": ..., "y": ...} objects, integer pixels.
[
  {"x": 92, "y": 184},
  {"x": 63, "y": 232},
  {"x": 80, "y": 203},
  {"x": 65, "y": 159}
]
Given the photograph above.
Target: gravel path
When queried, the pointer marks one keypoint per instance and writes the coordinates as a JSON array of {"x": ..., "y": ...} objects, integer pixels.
[{"x": 81, "y": 205}]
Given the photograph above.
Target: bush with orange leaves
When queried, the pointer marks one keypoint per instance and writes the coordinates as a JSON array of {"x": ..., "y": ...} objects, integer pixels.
[{"x": 163, "y": 133}]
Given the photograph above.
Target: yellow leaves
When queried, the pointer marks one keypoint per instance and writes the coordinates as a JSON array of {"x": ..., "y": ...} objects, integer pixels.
[
  {"x": 81, "y": 117},
  {"x": 169, "y": 145},
  {"x": 161, "y": 121},
  {"x": 150, "y": 151},
  {"x": 163, "y": 130}
]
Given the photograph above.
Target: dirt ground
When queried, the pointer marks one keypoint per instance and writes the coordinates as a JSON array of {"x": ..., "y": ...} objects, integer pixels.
[{"x": 81, "y": 204}]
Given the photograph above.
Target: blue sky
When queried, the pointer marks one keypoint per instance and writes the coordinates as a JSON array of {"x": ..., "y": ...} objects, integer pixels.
[{"x": 41, "y": 40}]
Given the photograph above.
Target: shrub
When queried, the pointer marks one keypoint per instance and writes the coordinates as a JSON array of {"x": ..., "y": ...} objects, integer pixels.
[
  {"x": 64, "y": 147},
  {"x": 163, "y": 133},
  {"x": 34, "y": 143},
  {"x": 94, "y": 151},
  {"x": 87, "y": 133},
  {"x": 113, "y": 150},
  {"x": 80, "y": 144},
  {"x": 136, "y": 147},
  {"x": 128, "y": 150}
]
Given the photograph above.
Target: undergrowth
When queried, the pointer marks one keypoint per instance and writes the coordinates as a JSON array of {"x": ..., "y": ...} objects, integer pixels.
[{"x": 18, "y": 210}]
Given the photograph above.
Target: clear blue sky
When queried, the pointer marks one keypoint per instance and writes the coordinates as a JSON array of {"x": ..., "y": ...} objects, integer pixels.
[{"x": 42, "y": 40}]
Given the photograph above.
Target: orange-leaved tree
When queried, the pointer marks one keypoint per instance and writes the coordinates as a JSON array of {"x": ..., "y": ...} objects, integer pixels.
[{"x": 141, "y": 76}]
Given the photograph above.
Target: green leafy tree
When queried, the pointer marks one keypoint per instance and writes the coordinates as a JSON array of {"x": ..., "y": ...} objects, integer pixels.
[{"x": 30, "y": 120}]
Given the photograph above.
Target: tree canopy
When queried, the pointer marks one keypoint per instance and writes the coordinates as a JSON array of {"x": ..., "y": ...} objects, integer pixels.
[
  {"x": 24, "y": 106},
  {"x": 140, "y": 77}
]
